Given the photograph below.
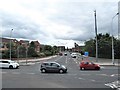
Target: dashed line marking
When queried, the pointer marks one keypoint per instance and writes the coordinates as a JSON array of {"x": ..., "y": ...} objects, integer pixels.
[
  {"x": 86, "y": 74},
  {"x": 31, "y": 73},
  {"x": 58, "y": 59},
  {"x": 15, "y": 73},
  {"x": 81, "y": 78},
  {"x": 3, "y": 72},
  {"x": 93, "y": 80}
]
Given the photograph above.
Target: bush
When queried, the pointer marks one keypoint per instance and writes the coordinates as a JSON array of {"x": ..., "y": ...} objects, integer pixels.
[{"x": 48, "y": 53}]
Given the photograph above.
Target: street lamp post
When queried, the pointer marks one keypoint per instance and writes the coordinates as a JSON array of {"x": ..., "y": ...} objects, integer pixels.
[
  {"x": 113, "y": 60},
  {"x": 10, "y": 42},
  {"x": 96, "y": 36}
]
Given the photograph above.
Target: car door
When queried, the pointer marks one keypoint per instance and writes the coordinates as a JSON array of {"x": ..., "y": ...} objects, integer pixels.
[
  {"x": 5, "y": 64},
  {"x": 48, "y": 66},
  {"x": 86, "y": 65},
  {"x": 54, "y": 67},
  {"x": 91, "y": 65}
]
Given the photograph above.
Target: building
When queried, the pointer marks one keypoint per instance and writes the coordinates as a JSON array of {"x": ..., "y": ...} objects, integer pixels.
[
  {"x": 61, "y": 48},
  {"x": 5, "y": 41},
  {"x": 37, "y": 46},
  {"x": 24, "y": 43},
  {"x": 119, "y": 20}
]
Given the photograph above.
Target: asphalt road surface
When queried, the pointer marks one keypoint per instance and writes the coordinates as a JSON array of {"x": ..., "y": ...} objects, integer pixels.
[{"x": 31, "y": 77}]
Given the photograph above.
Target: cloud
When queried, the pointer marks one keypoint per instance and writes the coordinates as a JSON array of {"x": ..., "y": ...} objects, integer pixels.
[{"x": 56, "y": 20}]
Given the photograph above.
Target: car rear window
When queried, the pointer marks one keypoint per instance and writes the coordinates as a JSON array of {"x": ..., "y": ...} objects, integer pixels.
[{"x": 86, "y": 62}]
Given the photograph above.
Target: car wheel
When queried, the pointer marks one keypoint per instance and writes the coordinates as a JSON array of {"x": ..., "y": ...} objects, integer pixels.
[
  {"x": 61, "y": 71},
  {"x": 80, "y": 68},
  {"x": 43, "y": 70},
  {"x": 11, "y": 67},
  {"x": 97, "y": 68},
  {"x": 17, "y": 67}
]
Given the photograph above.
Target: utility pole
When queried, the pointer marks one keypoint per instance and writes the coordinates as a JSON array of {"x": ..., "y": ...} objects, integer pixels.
[
  {"x": 96, "y": 36},
  {"x": 10, "y": 42},
  {"x": 113, "y": 57},
  {"x": 18, "y": 53},
  {"x": 26, "y": 53}
]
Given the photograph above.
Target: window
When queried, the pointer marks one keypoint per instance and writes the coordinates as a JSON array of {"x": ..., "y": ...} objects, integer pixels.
[
  {"x": 5, "y": 62},
  {"x": 54, "y": 64},
  {"x": 86, "y": 63},
  {"x": 46, "y": 64}
]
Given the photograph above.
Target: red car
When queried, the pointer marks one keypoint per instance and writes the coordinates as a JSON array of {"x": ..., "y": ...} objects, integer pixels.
[{"x": 85, "y": 64}]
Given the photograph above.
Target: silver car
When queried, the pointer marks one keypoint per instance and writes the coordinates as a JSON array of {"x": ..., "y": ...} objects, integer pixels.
[{"x": 52, "y": 67}]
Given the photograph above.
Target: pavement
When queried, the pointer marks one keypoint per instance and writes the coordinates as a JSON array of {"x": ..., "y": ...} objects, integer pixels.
[
  {"x": 32, "y": 61},
  {"x": 101, "y": 62}
]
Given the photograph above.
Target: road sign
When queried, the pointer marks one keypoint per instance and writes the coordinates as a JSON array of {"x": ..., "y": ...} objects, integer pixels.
[{"x": 86, "y": 54}]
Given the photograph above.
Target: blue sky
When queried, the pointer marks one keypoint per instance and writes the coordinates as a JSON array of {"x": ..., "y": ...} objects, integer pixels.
[{"x": 57, "y": 22}]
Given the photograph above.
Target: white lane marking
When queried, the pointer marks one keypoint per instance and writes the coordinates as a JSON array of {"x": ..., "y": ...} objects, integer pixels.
[
  {"x": 3, "y": 72},
  {"x": 31, "y": 73},
  {"x": 81, "y": 78},
  {"x": 102, "y": 67},
  {"x": 93, "y": 80},
  {"x": 102, "y": 74},
  {"x": 71, "y": 74},
  {"x": 66, "y": 60},
  {"x": 86, "y": 74},
  {"x": 114, "y": 84},
  {"x": 15, "y": 73},
  {"x": 114, "y": 75},
  {"x": 58, "y": 59}
]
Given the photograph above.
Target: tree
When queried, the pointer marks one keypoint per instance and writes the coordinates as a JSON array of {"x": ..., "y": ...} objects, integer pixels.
[
  {"x": 22, "y": 52},
  {"x": 31, "y": 50},
  {"x": 6, "y": 53},
  {"x": 104, "y": 46}
]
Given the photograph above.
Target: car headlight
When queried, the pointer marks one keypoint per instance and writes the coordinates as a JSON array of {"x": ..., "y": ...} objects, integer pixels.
[{"x": 63, "y": 66}]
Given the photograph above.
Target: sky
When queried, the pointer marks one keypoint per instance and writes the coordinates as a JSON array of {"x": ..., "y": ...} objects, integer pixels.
[{"x": 57, "y": 22}]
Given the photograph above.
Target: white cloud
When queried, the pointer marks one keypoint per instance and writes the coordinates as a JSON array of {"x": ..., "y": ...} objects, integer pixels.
[{"x": 50, "y": 21}]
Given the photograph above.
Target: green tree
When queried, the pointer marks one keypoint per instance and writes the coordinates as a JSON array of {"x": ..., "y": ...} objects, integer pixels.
[
  {"x": 31, "y": 50},
  {"x": 104, "y": 46},
  {"x": 6, "y": 53}
]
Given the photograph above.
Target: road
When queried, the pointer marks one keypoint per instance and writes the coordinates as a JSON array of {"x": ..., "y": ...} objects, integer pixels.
[{"x": 31, "y": 77}]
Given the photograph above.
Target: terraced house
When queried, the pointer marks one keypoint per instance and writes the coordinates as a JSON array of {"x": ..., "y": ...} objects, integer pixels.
[{"x": 18, "y": 47}]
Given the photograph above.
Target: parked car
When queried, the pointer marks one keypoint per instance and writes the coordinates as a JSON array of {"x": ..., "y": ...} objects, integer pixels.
[
  {"x": 74, "y": 55},
  {"x": 8, "y": 64},
  {"x": 52, "y": 67},
  {"x": 86, "y": 64}
]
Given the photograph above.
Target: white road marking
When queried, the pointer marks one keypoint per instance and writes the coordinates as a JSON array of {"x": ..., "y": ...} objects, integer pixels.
[
  {"x": 102, "y": 67},
  {"x": 15, "y": 73},
  {"x": 114, "y": 84},
  {"x": 102, "y": 74},
  {"x": 31, "y": 73},
  {"x": 114, "y": 75},
  {"x": 58, "y": 59},
  {"x": 81, "y": 78},
  {"x": 86, "y": 74},
  {"x": 66, "y": 60},
  {"x": 3, "y": 72},
  {"x": 93, "y": 80}
]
